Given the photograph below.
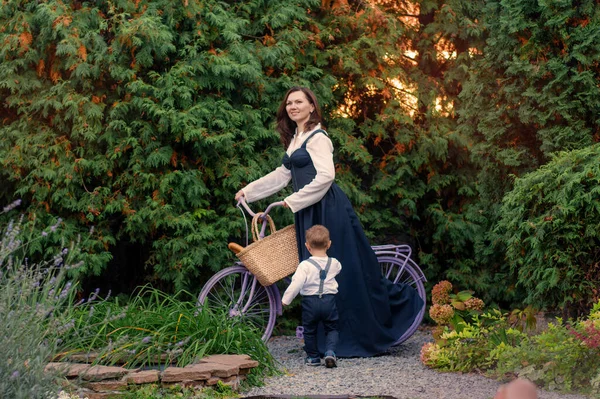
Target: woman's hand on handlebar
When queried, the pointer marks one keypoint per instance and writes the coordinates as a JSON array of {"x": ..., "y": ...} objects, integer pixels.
[{"x": 239, "y": 195}]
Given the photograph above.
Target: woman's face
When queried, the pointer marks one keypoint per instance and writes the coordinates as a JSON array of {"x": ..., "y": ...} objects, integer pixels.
[{"x": 298, "y": 107}]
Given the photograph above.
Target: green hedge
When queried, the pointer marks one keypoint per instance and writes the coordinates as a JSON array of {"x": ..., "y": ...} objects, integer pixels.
[{"x": 551, "y": 224}]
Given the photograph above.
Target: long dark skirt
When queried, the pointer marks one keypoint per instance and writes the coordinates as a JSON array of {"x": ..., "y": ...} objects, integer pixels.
[{"x": 374, "y": 313}]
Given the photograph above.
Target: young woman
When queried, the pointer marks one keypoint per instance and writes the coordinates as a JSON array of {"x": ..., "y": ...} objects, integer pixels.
[{"x": 373, "y": 313}]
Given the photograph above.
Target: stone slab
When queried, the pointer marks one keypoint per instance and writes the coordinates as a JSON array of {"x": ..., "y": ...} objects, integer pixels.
[
  {"x": 69, "y": 370},
  {"x": 104, "y": 386},
  {"x": 178, "y": 374},
  {"x": 240, "y": 361},
  {"x": 143, "y": 377},
  {"x": 99, "y": 373}
]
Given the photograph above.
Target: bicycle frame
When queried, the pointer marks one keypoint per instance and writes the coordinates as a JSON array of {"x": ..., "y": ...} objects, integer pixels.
[{"x": 394, "y": 260}]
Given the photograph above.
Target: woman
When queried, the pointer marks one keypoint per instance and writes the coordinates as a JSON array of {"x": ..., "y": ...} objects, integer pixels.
[{"x": 373, "y": 312}]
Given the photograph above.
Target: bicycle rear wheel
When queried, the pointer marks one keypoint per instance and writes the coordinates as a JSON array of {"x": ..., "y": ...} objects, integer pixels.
[
  {"x": 399, "y": 268},
  {"x": 236, "y": 291}
]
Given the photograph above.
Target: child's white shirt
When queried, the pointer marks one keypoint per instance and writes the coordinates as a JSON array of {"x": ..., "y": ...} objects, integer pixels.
[{"x": 306, "y": 279}]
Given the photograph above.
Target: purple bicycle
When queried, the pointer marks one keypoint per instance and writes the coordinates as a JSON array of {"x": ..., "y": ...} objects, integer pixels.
[{"x": 238, "y": 292}]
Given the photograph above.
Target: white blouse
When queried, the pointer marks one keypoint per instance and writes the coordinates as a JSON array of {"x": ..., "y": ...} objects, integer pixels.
[{"x": 320, "y": 150}]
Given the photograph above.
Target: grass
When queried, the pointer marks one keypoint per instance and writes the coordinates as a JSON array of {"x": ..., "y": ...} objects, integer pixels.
[
  {"x": 154, "y": 328},
  {"x": 41, "y": 320}
]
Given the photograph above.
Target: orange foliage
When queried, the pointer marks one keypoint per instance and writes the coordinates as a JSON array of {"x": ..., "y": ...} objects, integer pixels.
[
  {"x": 40, "y": 68},
  {"x": 54, "y": 75},
  {"x": 25, "y": 39},
  {"x": 333, "y": 4},
  {"x": 82, "y": 52},
  {"x": 65, "y": 20}
]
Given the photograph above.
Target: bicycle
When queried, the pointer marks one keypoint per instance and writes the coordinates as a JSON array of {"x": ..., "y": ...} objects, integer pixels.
[{"x": 241, "y": 294}]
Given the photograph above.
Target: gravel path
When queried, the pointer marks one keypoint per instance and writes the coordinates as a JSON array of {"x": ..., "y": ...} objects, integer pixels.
[{"x": 399, "y": 374}]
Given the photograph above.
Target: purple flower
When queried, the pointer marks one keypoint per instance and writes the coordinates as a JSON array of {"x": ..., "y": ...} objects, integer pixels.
[
  {"x": 15, "y": 375},
  {"x": 58, "y": 222},
  {"x": 94, "y": 295},
  {"x": 11, "y": 206},
  {"x": 146, "y": 340},
  {"x": 44, "y": 234},
  {"x": 65, "y": 291}
]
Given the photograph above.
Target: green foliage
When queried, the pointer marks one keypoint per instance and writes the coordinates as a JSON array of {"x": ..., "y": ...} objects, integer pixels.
[
  {"x": 476, "y": 345},
  {"x": 531, "y": 91},
  {"x": 550, "y": 225},
  {"x": 151, "y": 391},
  {"x": 156, "y": 328},
  {"x": 32, "y": 299},
  {"x": 564, "y": 357},
  {"x": 143, "y": 119},
  {"x": 555, "y": 359}
]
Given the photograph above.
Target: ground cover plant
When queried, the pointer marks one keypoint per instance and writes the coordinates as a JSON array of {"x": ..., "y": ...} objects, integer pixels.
[
  {"x": 565, "y": 356},
  {"x": 43, "y": 317},
  {"x": 154, "y": 328}
]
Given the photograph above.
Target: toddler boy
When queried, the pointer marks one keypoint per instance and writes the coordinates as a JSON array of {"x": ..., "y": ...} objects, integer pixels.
[{"x": 315, "y": 281}]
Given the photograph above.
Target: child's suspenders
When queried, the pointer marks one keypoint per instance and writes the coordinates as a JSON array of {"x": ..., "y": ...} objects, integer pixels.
[{"x": 322, "y": 273}]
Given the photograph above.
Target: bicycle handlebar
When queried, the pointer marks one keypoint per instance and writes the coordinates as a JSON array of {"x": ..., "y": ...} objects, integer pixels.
[
  {"x": 263, "y": 217},
  {"x": 242, "y": 201}
]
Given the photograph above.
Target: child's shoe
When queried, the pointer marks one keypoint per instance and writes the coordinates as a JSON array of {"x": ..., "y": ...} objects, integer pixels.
[
  {"x": 330, "y": 359},
  {"x": 312, "y": 361}
]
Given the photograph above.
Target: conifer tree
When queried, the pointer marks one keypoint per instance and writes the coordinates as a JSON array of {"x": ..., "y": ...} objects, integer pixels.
[
  {"x": 531, "y": 92},
  {"x": 143, "y": 119}
]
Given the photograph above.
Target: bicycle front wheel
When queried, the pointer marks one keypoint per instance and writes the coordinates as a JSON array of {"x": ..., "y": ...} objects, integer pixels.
[{"x": 237, "y": 292}]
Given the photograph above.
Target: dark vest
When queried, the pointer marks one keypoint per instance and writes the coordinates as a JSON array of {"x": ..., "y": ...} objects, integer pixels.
[{"x": 301, "y": 165}]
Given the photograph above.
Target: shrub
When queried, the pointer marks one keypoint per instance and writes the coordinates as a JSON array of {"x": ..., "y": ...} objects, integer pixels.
[
  {"x": 466, "y": 337},
  {"x": 476, "y": 345},
  {"x": 31, "y": 299},
  {"x": 560, "y": 358},
  {"x": 550, "y": 222},
  {"x": 454, "y": 310}
]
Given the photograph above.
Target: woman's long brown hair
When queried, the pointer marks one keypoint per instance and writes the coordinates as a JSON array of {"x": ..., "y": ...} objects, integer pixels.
[{"x": 287, "y": 127}]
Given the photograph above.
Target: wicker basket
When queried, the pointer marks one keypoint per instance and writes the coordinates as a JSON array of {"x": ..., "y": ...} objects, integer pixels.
[{"x": 274, "y": 257}]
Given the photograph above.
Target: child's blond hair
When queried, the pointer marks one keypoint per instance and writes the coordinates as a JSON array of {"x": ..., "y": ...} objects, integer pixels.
[{"x": 318, "y": 237}]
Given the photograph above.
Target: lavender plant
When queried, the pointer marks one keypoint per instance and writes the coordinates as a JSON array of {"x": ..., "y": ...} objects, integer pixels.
[
  {"x": 41, "y": 320},
  {"x": 31, "y": 298}
]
